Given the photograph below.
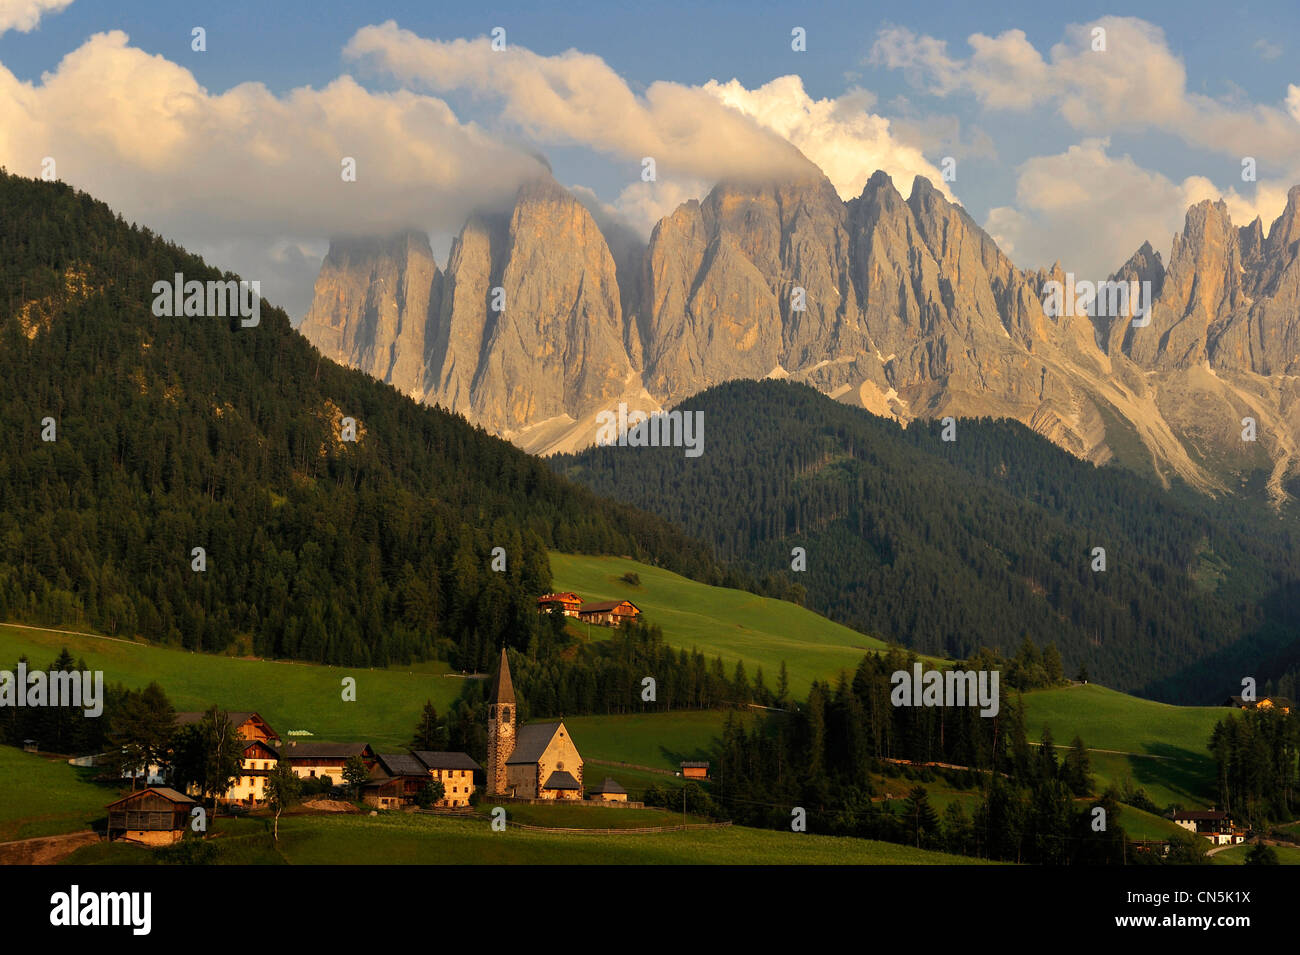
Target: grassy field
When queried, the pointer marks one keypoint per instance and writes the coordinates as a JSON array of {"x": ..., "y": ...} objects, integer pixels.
[
  {"x": 718, "y": 621},
  {"x": 233, "y": 841},
  {"x": 47, "y": 797},
  {"x": 1237, "y": 855},
  {"x": 660, "y": 740},
  {"x": 590, "y": 817},
  {"x": 1143, "y": 825},
  {"x": 1162, "y": 748},
  {"x": 291, "y": 696},
  {"x": 401, "y": 838}
]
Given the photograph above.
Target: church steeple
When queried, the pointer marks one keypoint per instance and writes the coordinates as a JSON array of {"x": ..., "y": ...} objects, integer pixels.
[
  {"x": 503, "y": 690},
  {"x": 501, "y": 728}
]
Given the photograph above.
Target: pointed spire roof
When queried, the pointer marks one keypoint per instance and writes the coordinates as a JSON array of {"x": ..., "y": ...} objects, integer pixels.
[{"x": 503, "y": 689}]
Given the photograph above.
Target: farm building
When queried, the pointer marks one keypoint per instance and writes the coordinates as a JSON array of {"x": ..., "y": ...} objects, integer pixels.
[
  {"x": 695, "y": 770},
  {"x": 1264, "y": 703},
  {"x": 1215, "y": 825},
  {"x": 535, "y": 761},
  {"x": 256, "y": 763},
  {"x": 398, "y": 778},
  {"x": 608, "y": 613},
  {"x": 454, "y": 770},
  {"x": 156, "y": 816},
  {"x": 314, "y": 760},
  {"x": 248, "y": 725},
  {"x": 568, "y": 602},
  {"x": 386, "y": 792},
  {"x": 609, "y": 791}
]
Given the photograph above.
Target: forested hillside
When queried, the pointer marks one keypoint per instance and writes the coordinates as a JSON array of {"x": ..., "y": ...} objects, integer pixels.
[
  {"x": 178, "y": 433},
  {"x": 946, "y": 546}
]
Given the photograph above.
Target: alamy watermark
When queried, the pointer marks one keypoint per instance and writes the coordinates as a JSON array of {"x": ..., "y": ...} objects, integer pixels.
[
  {"x": 663, "y": 429},
  {"x": 73, "y": 688},
  {"x": 946, "y": 688},
  {"x": 211, "y": 299},
  {"x": 1115, "y": 299},
  {"x": 133, "y": 910}
]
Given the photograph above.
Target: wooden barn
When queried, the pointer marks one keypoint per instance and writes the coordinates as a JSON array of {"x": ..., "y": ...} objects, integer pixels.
[
  {"x": 695, "y": 770},
  {"x": 395, "y": 781},
  {"x": 608, "y": 613},
  {"x": 156, "y": 816}
]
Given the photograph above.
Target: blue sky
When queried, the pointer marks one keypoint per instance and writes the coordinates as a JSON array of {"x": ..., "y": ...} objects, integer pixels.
[{"x": 1058, "y": 159}]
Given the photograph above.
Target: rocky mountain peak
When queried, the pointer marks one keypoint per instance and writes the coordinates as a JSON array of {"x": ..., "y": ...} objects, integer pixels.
[{"x": 905, "y": 307}]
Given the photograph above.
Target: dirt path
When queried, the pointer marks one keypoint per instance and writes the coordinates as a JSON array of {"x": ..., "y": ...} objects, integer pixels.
[
  {"x": 45, "y": 850},
  {"x": 73, "y": 633}
]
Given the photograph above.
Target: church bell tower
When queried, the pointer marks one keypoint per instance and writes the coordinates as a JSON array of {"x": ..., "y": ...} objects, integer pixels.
[{"x": 501, "y": 728}]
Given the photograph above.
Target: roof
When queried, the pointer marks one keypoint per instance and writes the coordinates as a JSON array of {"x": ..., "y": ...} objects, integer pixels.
[
  {"x": 503, "y": 689},
  {"x": 442, "y": 760},
  {"x": 323, "y": 750},
  {"x": 567, "y": 596},
  {"x": 401, "y": 764},
  {"x": 239, "y": 719},
  {"x": 696, "y": 764},
  {"x": 560, "y": 779},
  {"x": 1199, "y": 815},
  {"x": 531, "y": 741},
  {"x": 600, "y": 606},
  {"x": 610, "y": 786},
  {"x": 165, "y": 792}
]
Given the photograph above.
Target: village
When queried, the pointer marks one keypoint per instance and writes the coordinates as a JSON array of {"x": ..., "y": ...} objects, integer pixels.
[{"x": 536, "y": 762}]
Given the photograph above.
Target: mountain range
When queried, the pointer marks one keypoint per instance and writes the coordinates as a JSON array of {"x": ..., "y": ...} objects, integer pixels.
[{"x": 545, "y": 316}]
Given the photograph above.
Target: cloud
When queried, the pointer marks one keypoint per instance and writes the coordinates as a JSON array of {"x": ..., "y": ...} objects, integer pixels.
[
  {"x": 842, "y": 136},
  {"x": 694, "y": 133},
  {"x": 246, "y": 165},
  {"x": 1091, "y": 211},
  {"x": 25, "y": 15},
  {"x": 1267, "y": 49},
  {"x": 1137, "y": 83}
]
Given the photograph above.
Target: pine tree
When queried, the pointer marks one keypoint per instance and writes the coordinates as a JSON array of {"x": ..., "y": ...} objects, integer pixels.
[
  {"x": 920, "y": 815},
  {"x": 429, "y": 733},
  {"x": 1077, "y": 768}
]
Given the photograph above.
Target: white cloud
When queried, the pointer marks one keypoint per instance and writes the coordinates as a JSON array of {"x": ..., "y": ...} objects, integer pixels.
[
  {"x": 246, "y": 165},
  {"x": 842, "y": 136},
  {"x": 1267, "y": 49},
  {"x": 25, "y": 15},
  {"x": 1137, "y": 83},
  {"x": 1091, "y": 211},
  {"x": 643, "y": 204},
  {"x": 702, "y": 133}
]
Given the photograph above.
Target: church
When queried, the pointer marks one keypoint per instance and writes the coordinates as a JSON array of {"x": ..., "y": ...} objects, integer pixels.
[{"x": 534, "y": 761}]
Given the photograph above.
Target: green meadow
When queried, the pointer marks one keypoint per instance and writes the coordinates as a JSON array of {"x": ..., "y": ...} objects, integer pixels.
[
  {"x": 291, "y": 696},
  {"x": 718, "y": 621},
  {"x": 40, "y": 796},
  {"x": 1161, "y": 748},
  {"x": 408, "y": 839},
  {"x": 660, "y": 740}
]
